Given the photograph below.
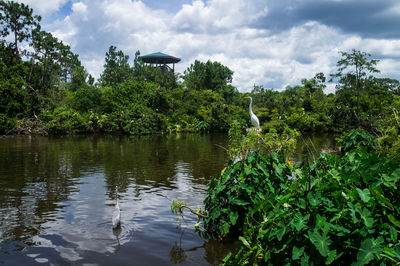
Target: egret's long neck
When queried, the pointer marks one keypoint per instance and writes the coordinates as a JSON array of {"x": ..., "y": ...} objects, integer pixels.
[
  {"x": 116, "y": 195},
  {"x": 251, "y": 101}
]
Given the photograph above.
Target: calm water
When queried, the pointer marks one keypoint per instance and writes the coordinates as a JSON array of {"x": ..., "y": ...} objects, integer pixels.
[{"x": 57, "y": 195}]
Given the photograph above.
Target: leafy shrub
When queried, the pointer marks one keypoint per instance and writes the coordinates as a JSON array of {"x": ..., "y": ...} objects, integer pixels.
[
  {"x": 201, "y": 126},
  {"x": 389, "y": 141},
  {"x": 357, "y": 139},
  {"x": 337, "y": 210},
  {"x": 64, "y": 120},
  {"x": 278, "y": 125},
  {"x": 86, "y": 98},
  {"x": 305, "y": 121},
  {"x": 12, "y": 93},
  {"x": 243, "y": 185},
  {"x": 269, "y": 142},
  {"x": 6, "y": 123}
]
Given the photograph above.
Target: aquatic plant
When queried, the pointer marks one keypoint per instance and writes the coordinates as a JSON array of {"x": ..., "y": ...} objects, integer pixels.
[{"x": 340, "y": 209}]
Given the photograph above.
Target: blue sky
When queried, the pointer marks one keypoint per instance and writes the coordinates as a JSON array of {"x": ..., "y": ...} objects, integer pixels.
[{"x": 265, "y": 42}]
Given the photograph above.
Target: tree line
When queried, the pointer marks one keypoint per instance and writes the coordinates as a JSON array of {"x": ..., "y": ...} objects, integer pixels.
[{"x": 45, "y": 89}]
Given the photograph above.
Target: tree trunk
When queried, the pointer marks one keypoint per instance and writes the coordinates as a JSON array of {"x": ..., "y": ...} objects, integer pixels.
[
  {"x": 31, "y": 71},
  {"x": 16, "y": 47}
]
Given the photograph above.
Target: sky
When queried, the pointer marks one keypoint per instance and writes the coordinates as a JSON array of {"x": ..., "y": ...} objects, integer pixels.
[{"x": 270, "y": 43}]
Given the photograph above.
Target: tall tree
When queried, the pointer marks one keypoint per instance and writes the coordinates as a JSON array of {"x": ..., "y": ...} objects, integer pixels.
[
  {"x": 116, "y": 69},
  {"x": 17, "y": 19},
  {"x": 353, "y": 68},
  {"x": 209, "y": 75},
  {"x": 56, "y": 58}
]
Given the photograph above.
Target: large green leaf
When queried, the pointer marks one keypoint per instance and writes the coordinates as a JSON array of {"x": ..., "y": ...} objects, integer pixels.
[
  {"x": 389, "y": 181},
  {"x": 215, "y": 213},
  {"x": 331, "y": 257},
  {"x": 278, "y": 169},
  {"x": 224, "y": 228},
  {"x": 233, "y": 216},
  {"x": 391, "y": 254},
  {"x": 365, "y": 195},
  {"x": 382, "y": 199},
  {"x": 366, "y": 216},
  {"x": 244, "y": 241},
  {"x": 297, "y": 252},
  {"x": 299, "y": 222},
  {"x": 238, "y": 201},
  {"x": 393, "y": 220},
  {"x": 320, "y": 222},
  {"x": 393, "y": 234},
  {"x": 321, "y": 242},
  {"x": 313, "y": 199},
  {"x": 368, "y": 251},
  {"x": 281, "y": 232},
  {"x": 305, "y": 260}
]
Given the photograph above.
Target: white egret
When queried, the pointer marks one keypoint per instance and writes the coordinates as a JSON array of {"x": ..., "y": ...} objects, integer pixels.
[
  {"x": 253, "y": 117},
  {"x": 116, "y": 219}
]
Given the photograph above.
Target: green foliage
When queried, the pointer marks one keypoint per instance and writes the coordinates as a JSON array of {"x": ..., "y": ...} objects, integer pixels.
[
  {"x": 340, "y": 209},
  {"x": 86, "y": 98},
  {"x": 389, "y": 141},
  {"x": 64, "y": 120},
  {"x": 357, "y": 139},
  {"x": 231, "y": 197},
  {"x": 16, "y": 19},
  {"x": 235, "y": 139},
  {"x": 266, "y": 142},
  {"x": 6, "y": 123},
  {"x": 116, "y": 68},
  {"x": 207, "y": 76},
  {"x": 353, "y": 71},
  {"x": 12, "y": 93},
  {"x": 143, "y": 99}
]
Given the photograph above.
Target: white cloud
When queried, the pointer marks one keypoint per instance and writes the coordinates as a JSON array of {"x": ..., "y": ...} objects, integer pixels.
[
  {"x": 80, "y": 8},
  {"x": 380, "y": 47},
  {"x": 128, "y": 16},
  {"x": 44, "y": 8},
  {"x": 217, "y": 15},
  {"x": 217, "y": 30}
]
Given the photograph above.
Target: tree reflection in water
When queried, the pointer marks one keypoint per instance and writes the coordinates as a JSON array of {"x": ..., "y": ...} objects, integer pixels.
[{"x": 57, "y": 195}]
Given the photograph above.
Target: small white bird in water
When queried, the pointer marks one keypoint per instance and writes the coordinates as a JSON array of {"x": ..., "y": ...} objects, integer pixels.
[
  {"x": 116, "y": 219},
  {"x": 253, "y": 117}
]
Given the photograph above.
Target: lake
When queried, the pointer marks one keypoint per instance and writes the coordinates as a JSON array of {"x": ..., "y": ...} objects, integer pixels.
[{"x": 57, "y": 196}]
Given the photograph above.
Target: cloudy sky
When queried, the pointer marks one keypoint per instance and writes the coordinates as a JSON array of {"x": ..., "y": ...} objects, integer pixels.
[{"x": 273, "y": 43}]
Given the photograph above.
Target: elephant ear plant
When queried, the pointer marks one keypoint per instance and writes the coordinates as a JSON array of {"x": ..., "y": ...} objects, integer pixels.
[{"x": 340, "y": 209}]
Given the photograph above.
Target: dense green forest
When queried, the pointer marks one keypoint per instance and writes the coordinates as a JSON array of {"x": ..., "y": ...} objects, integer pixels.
[{"x": 44, "y": 89}]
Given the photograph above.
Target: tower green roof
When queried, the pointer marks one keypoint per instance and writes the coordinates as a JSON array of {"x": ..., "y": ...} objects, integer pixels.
[{"x": 160, "y": 58}]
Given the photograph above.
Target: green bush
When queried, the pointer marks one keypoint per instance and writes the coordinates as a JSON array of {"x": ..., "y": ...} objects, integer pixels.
[
  {"x": 12, "y": 90},
  {"x": 357, "y": 139},
  {"x": 243, "y": 185},
  {"x": 305, "y": 121},
  {"x": 64, "y": 120},
  {"x": 6, "y": 123},
  {"x": 86, "y": 98},
  {"x": 389, "y": 142},
  {"x": 268, "y": 141},
  {"x": 340, "y": 209}
]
